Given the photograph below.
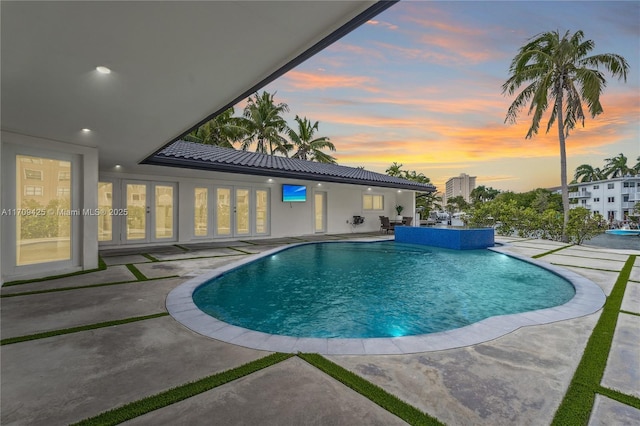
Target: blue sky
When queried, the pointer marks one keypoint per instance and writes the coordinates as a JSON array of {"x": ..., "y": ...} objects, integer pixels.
[{"x": 421, "y": 85}]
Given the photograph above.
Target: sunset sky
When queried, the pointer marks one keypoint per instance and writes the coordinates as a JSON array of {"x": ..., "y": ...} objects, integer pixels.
[{"x": 421, "y": 85}]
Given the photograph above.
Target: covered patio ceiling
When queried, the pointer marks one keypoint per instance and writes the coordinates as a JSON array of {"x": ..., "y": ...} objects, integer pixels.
[{"x": 173, "y": 64}]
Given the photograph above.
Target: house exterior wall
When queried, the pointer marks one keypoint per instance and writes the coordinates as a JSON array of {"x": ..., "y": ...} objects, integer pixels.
[
  {"x": 343, "y": 201},
  {"x": 613, "y": 198}
]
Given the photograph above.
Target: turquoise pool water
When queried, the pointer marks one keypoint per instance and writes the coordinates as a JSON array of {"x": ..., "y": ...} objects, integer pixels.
[{"x": 383, "y": 289}]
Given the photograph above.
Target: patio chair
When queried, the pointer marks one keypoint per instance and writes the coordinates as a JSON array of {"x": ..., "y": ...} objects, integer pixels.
[
  {"x": 406, "y": 221},
  {"x": 385, "y": 225}
]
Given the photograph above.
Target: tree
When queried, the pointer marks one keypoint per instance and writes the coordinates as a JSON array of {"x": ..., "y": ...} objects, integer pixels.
[
  {"x": 636, "y": 168},
  {"x": 262, "y": 118},
  {"x": 617, "y": 166},
  {"x": 222, "y": 130},
  {"x": 308, "y": 147},
  {"x": 588, "y": 173},
  {"x": 457, "y": 204},
  {"x": 395, "y": 170},
  {"x": 481, "y": 194},
  {"x": 583, "y": 225},
  {"x": 556, "y": 71}
]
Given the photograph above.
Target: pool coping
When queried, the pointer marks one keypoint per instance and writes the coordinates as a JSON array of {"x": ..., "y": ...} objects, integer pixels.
[{"x": 589, "y": 298}]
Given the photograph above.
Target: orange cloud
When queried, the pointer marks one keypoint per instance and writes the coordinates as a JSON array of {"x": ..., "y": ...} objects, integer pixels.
[{"x": 301, "y": 80}]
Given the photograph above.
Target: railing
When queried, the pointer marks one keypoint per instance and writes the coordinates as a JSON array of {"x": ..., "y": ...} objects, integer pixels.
[{"x": 581, "y": 194}]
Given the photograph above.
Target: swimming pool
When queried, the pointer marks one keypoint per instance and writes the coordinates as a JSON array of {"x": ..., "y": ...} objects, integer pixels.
[{"x": 373, "y": 290}]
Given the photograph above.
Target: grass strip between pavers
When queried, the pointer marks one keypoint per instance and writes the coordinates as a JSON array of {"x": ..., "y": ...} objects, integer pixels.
[
  {"x": 538, "y": 256},
  {"x": 151, "y": 258},
  {"x": 631, "y": 400},
  {"x": 53, "y": 290},
  {"x": 182, "y": 392},
  {"x": 136, "y": 272},
  {"x": 101, "y": 267},
  {"x": 52, "y": 333},
  {"x": 376, "y": 394},
  {"x": 577, "y": 403},
  {"x": 630, "y": 313}
]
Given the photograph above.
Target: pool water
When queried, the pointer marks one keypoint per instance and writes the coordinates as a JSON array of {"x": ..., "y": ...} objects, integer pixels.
[{"x": 382, "y": 289}]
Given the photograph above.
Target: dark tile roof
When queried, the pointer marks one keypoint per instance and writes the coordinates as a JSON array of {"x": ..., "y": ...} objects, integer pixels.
[{"x": 215, "y": 158}]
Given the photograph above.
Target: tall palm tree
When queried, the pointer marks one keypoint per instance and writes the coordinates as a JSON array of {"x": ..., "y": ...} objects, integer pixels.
[
  {"x": 308, "y": 147},
  {"x": 617, "y": 166},
  {"x": 557, "y": 72},
  {"x": 262, "y": 118},
  {"x": 588, "y": 173},
  {"x": 223, "y": 130}
]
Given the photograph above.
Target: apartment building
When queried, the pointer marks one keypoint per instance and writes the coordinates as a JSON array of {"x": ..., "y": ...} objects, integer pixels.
[
  {"x": 613, "y": 198},
  {"x": 461, "y": 185}
]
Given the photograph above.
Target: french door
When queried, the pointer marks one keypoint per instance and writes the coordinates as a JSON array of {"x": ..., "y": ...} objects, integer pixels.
[
  {"x": 233, "y": 211},
  {"x": 149, "y": 212}
]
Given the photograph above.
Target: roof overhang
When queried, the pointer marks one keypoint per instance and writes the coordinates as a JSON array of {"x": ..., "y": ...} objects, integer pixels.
[{"x": 174, "y": 64}]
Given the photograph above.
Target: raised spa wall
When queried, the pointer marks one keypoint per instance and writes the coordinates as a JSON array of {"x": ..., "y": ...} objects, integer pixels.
[{"x": 456, "y": 239}]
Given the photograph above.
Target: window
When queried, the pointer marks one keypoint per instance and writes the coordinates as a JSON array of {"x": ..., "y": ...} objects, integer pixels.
[
  {"x": 33, "y": 174},
  {"x": 595, "y": 200},
  {"x": 625, "y": 198},
  {"x": 611, "y": 199},
  {"x": 596, "y": 186},
  {"x": 610, "y": 186},
  {"x": 262, "y": 210},
  {"x": 32, "y": 190},
  {"x": 64, "y": 175},
  {"x": 42, "y": 238},
  {"x": 372, "y": 202}
]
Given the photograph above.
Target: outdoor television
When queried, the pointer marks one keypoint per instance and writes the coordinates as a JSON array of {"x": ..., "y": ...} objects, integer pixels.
[{"x": 294, "y": 193}]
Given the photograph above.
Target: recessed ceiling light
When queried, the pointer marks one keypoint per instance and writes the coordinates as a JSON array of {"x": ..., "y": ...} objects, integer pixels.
[
  {"x": 85, "y": 130},
  {"x": 103, "y": 70},
  {"x": 269, "y": 180},
  {"x": 118, "y": 166}
]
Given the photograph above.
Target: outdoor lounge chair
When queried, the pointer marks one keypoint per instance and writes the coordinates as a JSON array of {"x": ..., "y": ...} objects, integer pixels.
[{"x": 406, "y": 221}]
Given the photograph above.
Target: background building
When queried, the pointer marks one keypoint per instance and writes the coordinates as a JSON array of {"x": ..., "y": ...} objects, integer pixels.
[
  {"x": 461, "y": 185},
  {"x": 613, "y": 198}
]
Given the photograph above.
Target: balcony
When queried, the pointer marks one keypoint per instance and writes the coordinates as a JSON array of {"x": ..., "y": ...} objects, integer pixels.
[{"x": 581, "y": 194}]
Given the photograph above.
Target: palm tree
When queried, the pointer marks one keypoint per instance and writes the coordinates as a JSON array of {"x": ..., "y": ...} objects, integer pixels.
[
  {"x": 223, "y": 130},
  {"x": 617, "y": 166},
  {"x": 636, "y": 168},
  {"x": 481, "y": 194},
  {"x": 263, "y": 121},
  {"x": 308, "y": 147},
  {"x": 588, "y": 173},
  {"x": 395, "y": 170},
  {"x": 557, "y": 71}
]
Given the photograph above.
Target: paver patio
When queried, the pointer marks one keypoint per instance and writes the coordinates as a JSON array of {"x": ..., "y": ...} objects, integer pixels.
[{"x": 519, "y": 378}]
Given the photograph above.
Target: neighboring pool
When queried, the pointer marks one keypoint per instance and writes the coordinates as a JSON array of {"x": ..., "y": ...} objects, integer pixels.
[{"x": 381, "y": 289}]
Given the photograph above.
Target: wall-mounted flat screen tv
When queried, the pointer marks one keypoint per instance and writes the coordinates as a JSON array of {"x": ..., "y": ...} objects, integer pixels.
[{"x": 294, "y": 193}]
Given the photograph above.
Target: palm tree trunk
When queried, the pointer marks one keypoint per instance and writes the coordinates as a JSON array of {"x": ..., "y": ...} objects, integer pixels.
[{"x": 563, "y": 164}]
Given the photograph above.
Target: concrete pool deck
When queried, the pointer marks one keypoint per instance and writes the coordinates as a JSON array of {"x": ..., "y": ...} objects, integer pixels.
[{"x": 519, "y": 378}]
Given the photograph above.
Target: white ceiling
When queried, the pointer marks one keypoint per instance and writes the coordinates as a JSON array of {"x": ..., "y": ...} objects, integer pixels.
[{"x": 173, "y": 64}]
